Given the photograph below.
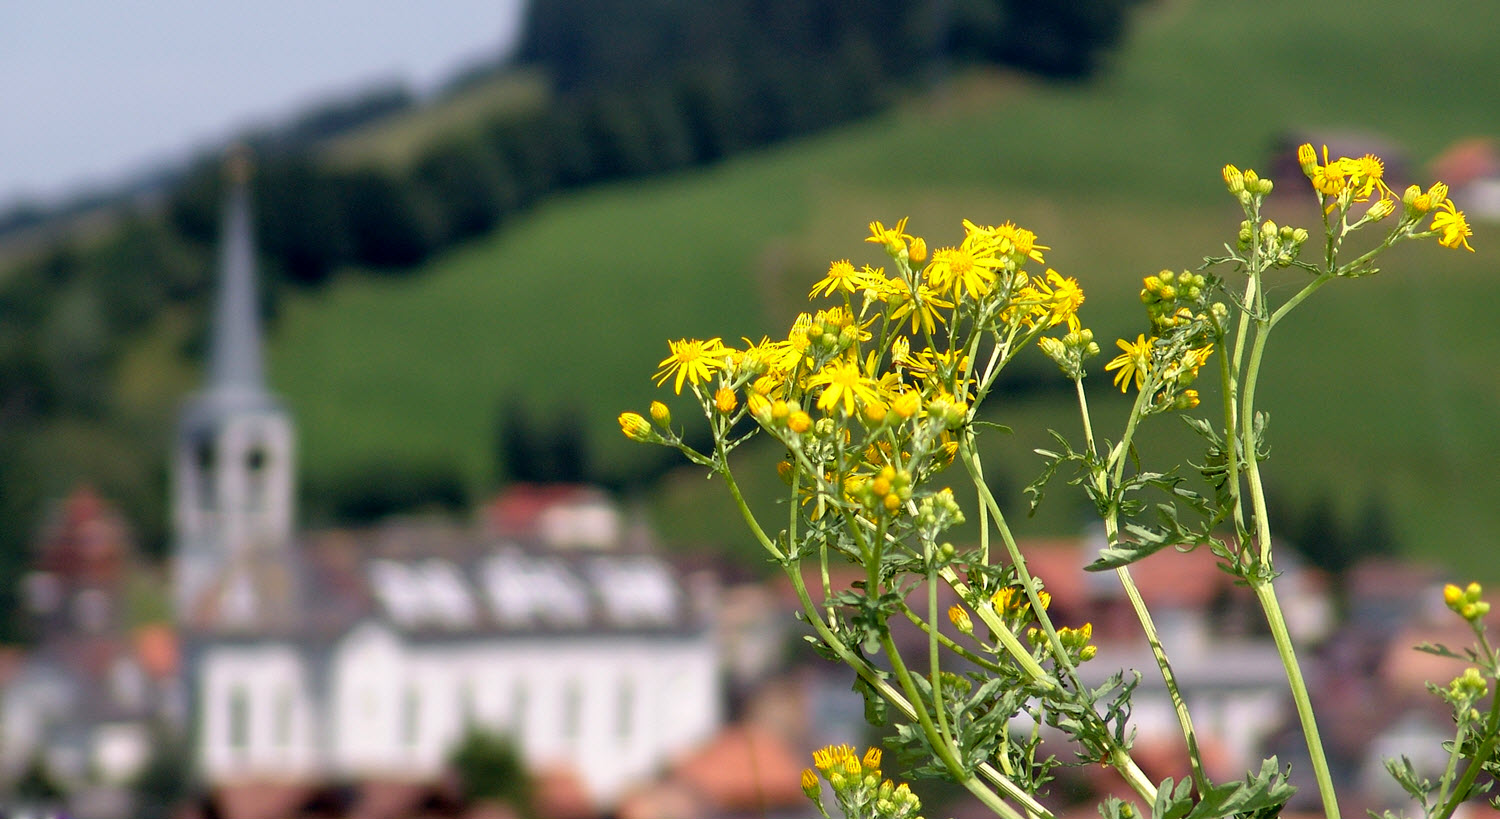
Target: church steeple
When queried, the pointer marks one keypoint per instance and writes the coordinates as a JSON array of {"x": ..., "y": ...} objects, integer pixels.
[
  {"x": 235, "y": 356},
  {"x": 233, "y": 468}
]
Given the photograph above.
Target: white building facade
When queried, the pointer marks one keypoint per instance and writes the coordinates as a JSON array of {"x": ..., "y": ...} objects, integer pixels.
[{"x": 592, "y": 658}]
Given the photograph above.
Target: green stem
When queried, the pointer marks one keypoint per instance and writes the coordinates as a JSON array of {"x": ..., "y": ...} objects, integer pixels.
[
  {"x": 940, "y": 744},
  {"x": 1142, "y": 614},
  {"x": 1267, "y": 597},
  {"x": 948, "y": 643},
  {"x": 874, "y": 678},
  {"x": 739, "y": 500},
  {"x": 932, "y": 650},
  {"x": 1119, "y": 758},
  {"x": 1482, "y": 754}
]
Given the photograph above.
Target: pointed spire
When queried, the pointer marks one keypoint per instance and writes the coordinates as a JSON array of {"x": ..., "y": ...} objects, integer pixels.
[{"x": 235, "y": 356}]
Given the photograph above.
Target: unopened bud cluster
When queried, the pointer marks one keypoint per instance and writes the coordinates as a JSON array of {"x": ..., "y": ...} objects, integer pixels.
[
  {"x": 1281, "y": 244},
  {"x": 1466, "y": 602},
  {"x": 1246, "y": 184},
  {"x": 1074, "y": 641},
  {"x": 1070, "y": 351}
]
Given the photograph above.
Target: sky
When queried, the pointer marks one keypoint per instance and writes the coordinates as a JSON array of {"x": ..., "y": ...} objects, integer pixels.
[{"x": 94, "y": 92}]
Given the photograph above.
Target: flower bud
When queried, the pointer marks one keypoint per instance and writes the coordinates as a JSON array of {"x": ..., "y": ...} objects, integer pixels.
[
  {"x": 1307, "y": 158},
  {"x": 1453, "y": 596},
  {"x": 917, "y": 250},
  {"x": 1473, "y": 591},
  {"x": 1233, "y": 179},
  {"x": 780, "y": 411},
  {"x": 635, "y": 427},
  {"x": 760, "y": 408},
  {"x": 810, "y": 785},
  {"x": 872, "y": 757},
  {"x": 961, "y": 619},
  {"x": 661, "y": 414},
  {"x": 725, "y": 400},
  {"x": 1265, "y": 186},
  {"x": 1380, "y": 209},
  {"x": 799, "y": 422},
  {"x": 1251, "y": 179}
]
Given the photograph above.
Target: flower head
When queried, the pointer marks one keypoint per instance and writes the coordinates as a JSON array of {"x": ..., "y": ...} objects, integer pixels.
[
  {"x": 960, "y": 270},
  {"x": 1135, "y": 361},
  {"x": 843, "y": 277},
  {"x": 692, "y": 360},
  {"x": 1454, "y": 227},
  {"x": 843, "y": 382},
  {"x": 892, "y": 239}
]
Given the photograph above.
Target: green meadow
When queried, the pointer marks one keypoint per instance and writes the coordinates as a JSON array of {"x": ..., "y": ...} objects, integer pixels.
[{"x": 1381, "y": 388}]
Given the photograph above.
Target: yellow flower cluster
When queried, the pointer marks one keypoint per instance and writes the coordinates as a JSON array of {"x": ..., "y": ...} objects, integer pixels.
[
  {"x": 897, "y": 355},
  {"x": 857, "y": 783},
  {"x": 1345, "y": 180}
]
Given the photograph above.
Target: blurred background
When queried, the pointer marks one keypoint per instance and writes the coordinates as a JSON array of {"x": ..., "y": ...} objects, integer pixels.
[{"x": 475, "y": 225}]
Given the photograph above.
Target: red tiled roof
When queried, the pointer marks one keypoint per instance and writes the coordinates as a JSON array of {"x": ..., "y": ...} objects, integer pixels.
[
  {"x": 156, "y": 649},
  {"x": 744, "y": 769}
]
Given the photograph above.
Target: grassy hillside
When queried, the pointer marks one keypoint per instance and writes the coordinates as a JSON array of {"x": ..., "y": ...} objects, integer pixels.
[{"x": 571, "y": 304}]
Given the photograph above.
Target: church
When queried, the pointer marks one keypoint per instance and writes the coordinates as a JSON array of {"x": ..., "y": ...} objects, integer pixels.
[{"x": 356, "y": 655}]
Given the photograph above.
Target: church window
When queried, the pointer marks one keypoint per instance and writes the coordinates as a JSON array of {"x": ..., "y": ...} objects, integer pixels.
[
  {"x": 239, "y": 718},
  {"x": 572, "y": 710},
  {"x": 204, "y": 463},
  {"x": 284, "y": 718},
  {"x": 625, "y": 716},
  {"x": 411, "y": 713},
  {"x": 256, "y": 476}
]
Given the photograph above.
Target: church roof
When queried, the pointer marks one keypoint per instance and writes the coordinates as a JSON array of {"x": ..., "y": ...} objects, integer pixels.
[{"x": 236, "y": 373}]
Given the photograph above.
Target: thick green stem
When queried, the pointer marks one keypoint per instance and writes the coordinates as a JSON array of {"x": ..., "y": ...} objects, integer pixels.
[{"x": 1266, "y": 594}]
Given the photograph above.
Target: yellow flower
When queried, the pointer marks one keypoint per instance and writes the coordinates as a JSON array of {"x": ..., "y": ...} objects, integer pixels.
[
  {"x": 961, "y": 270},
  {"x": 841, "y": 276},
  {"x": 872, "y": 758},
  {"x": 923, "y": 309},
  {"x": 843, "y": 381},
  {"x": 1454, "y": 226},
  {"x": 1017, "y": 240},
  {"x": 1063, "y": 296},
  {"x": 831, "y": 758},
  {"x": 892, "y": 239},
  {"x": 692, "y": 360},
  {"x": 907, "y": 404},
  {"x": 1135, "y": 361},
  {"x": 1369, "y": 174}
]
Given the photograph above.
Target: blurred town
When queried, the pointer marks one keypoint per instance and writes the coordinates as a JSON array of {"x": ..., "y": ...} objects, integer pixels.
[
  {"x": 311, "y": 498},
  {"x": 541, "y": 655}
]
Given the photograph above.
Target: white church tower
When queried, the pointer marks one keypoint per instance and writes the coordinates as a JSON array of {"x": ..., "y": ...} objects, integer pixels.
[{"x": 233, "y": 470}]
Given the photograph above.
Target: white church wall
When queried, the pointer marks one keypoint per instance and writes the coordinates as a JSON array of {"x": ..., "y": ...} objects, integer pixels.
[
  {"x": 611, "y": 709},
  {"x": 257, "y": 716}
]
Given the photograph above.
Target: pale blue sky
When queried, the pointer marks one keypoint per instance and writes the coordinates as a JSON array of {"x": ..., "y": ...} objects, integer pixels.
[{"x": 93, "y": 91}]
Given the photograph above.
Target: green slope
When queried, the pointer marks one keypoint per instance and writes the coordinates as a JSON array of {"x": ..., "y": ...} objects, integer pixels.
[{"x": 1380, "y": 387}]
